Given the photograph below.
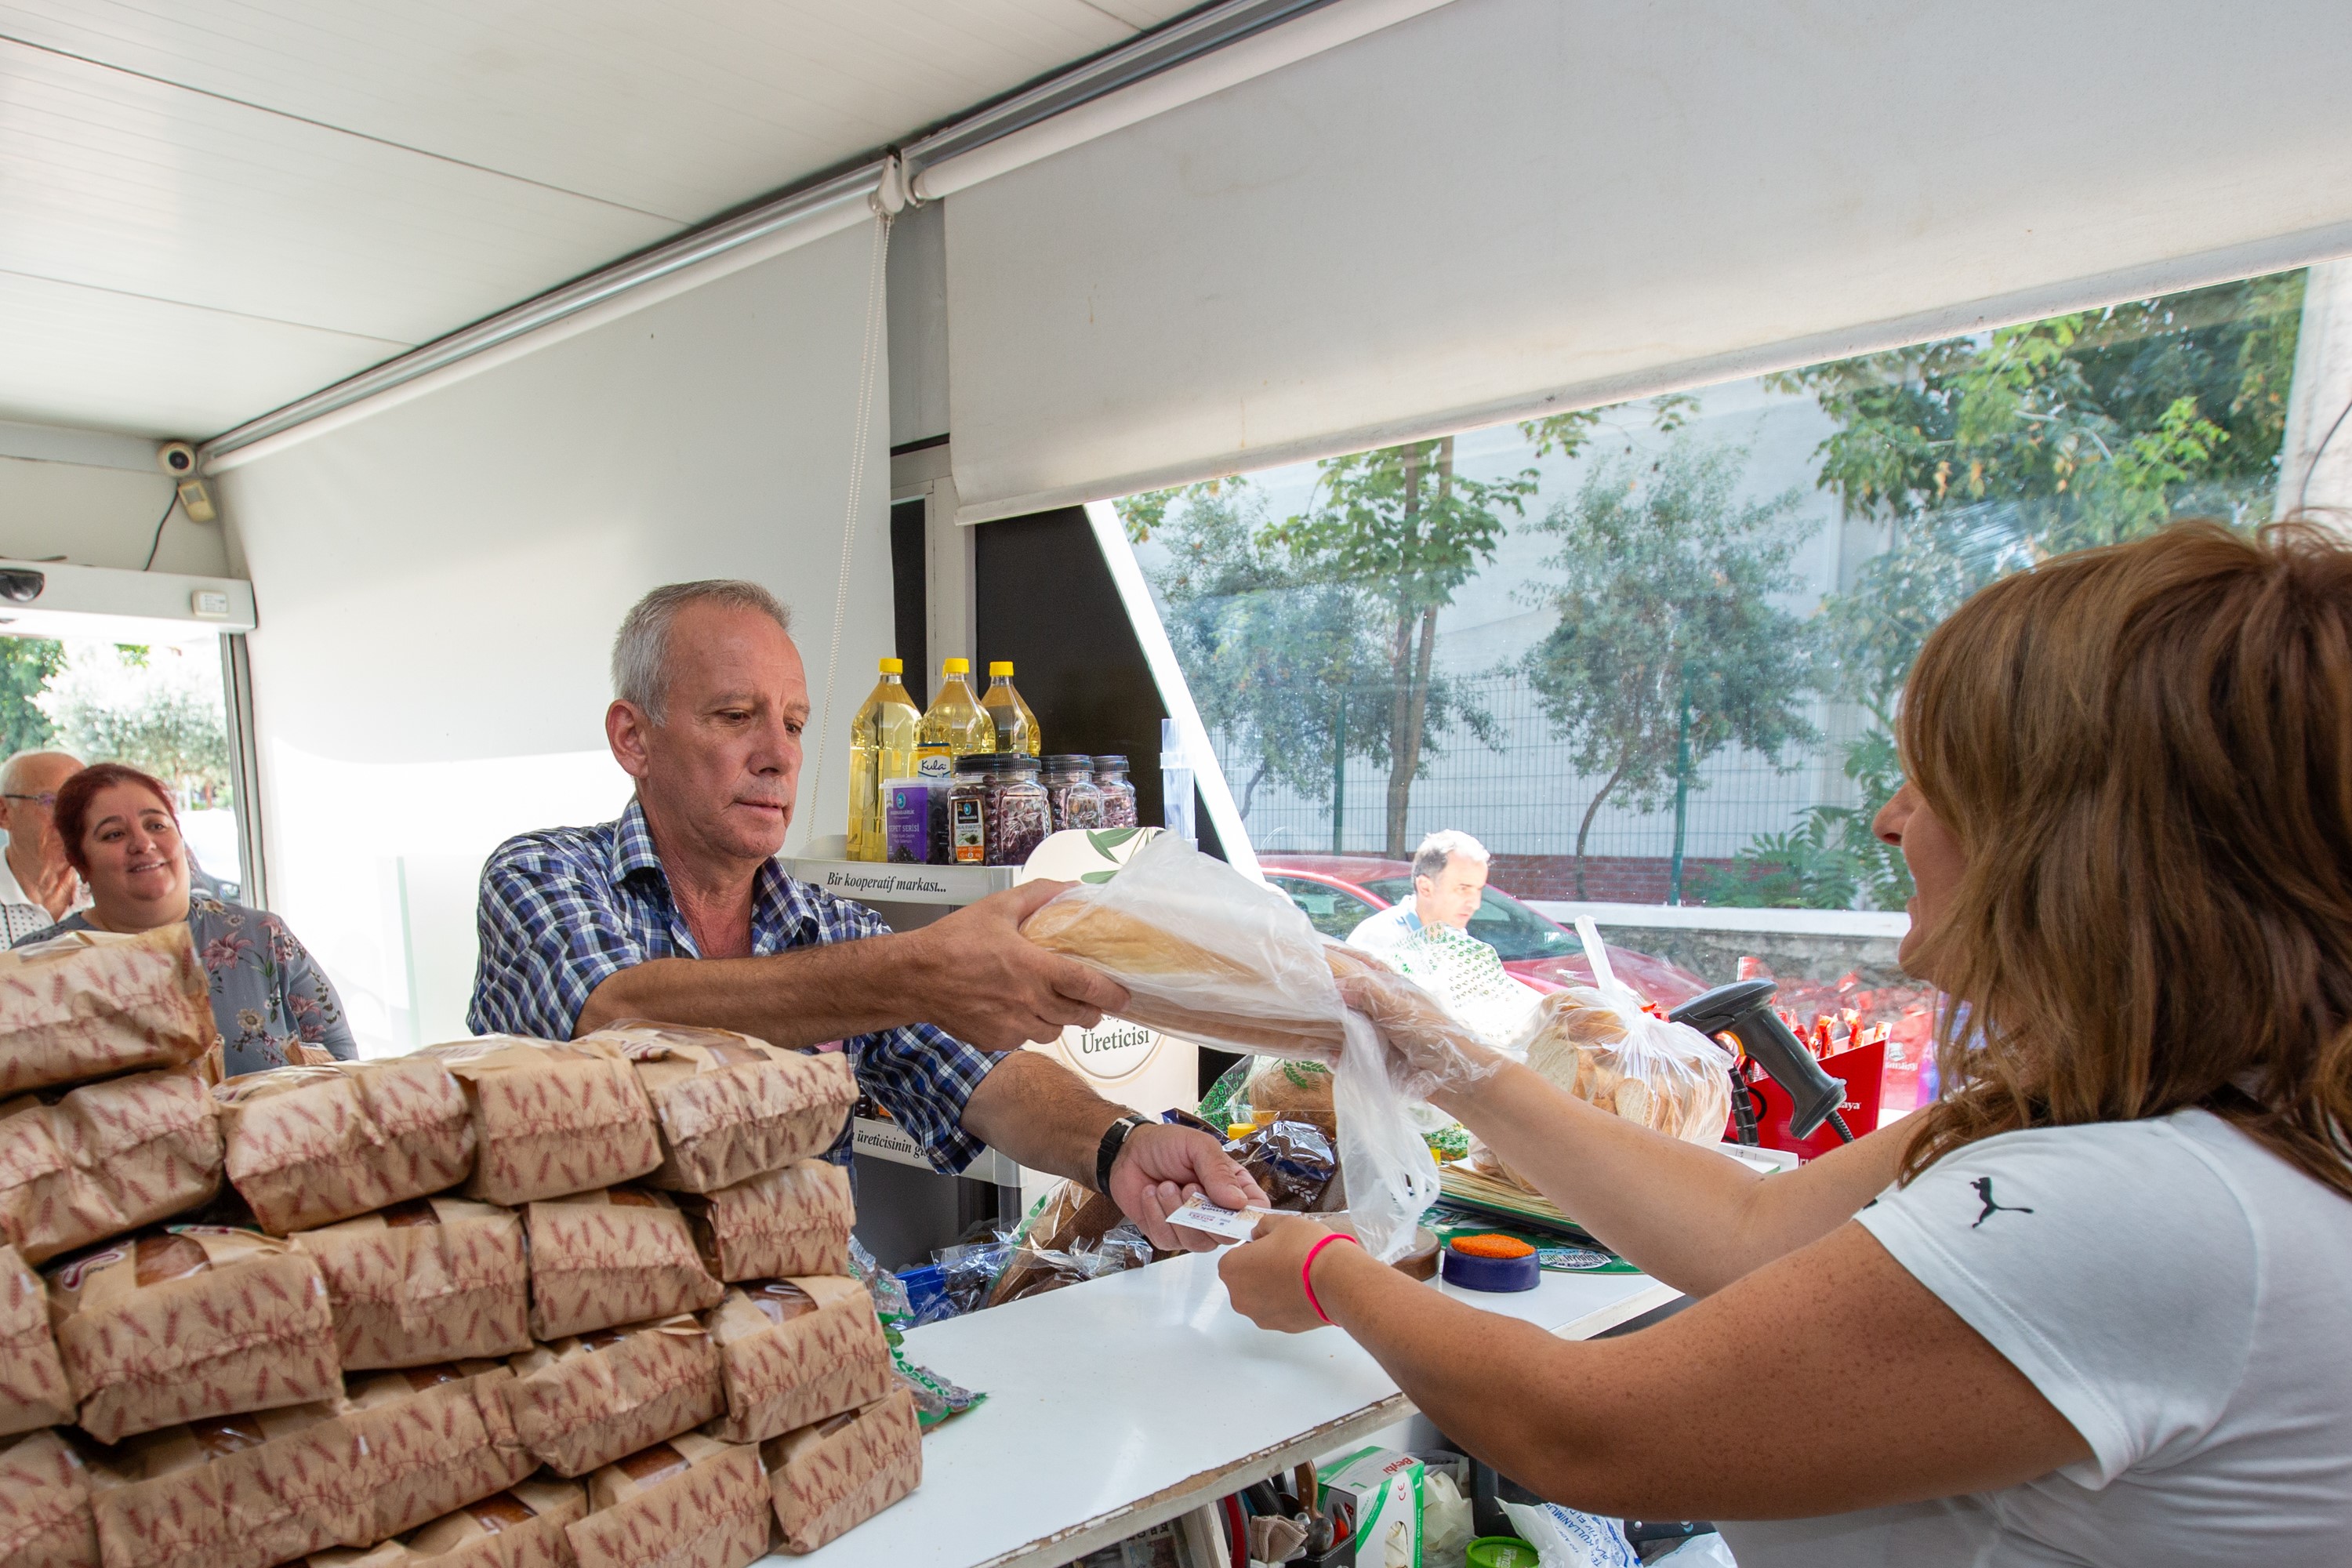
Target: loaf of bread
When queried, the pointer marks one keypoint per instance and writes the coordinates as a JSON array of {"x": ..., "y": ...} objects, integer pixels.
[
  {"x": 306, "y": 1146},
  {"x": 45, "y": 1517},
  {"x": 585, "y": 1402},
  {"x": 88, "y": 1165},
  {"x": 795, "y": 1352},
  {"x": 194, "y": 1321},
  {"x": 33, "y": 1388},
  {"x": 620, "y": 1256},
  {"x": 245, "y": 1492},
  {"x": 91, "y": 1004},
  {"x": 550, "y": 1117},
  {"x": 522, "y": 1527},
  {"x": 691, "y": 1502},
  {"x": 431, "y": 1439},
  {"x": 729, "y": 1105},
  {"x": 432, "y": 1280},
  {"x": 831, "y": 1477},
  {"x": 776, "y": 1225}
]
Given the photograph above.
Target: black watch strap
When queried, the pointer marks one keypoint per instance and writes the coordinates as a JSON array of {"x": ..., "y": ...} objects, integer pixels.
[{"x": 1113, "y": 1139}]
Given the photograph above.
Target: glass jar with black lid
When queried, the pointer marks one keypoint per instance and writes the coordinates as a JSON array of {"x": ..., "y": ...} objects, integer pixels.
[
  {"x": 1071, "y": 794},
  {"x": 1118, "y": 794}
]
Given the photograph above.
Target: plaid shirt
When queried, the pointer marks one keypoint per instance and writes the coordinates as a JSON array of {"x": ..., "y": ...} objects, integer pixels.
[{"x": 563, "y": 910}]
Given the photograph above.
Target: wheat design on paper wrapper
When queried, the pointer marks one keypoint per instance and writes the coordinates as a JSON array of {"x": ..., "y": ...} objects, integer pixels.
[
  {"x": 579, "y": 1408},
  {"x": 311, "y": 1145},
  {"x": 781, "y": 1376},
  {"x": 597, "y": 1264},
  {"x": 106, "y": 1158},
  {"x": 776, "y": 1225},
  {"x": 714, "y": 1515},
  {"x": 44, "y": 1519},
  {"x": 91, "y": 1004},
  {"x": 414, "y": 1294},
  {"x": 33, "y": 1388},
  {"x": 825, "y": 1484}
]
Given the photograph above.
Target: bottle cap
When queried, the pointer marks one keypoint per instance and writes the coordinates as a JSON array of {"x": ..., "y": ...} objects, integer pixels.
[
  {"x": 1003, "y": 666},
  {"x": 1111, "y": 762},
  {"x": 1059, "y": 762},
  {"x": 955, "y": 666},
  {"x": 894, "y": 666}
]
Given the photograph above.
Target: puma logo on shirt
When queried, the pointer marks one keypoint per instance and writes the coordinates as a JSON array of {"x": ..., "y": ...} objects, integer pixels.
[{"x": 1983, "y": 1184}]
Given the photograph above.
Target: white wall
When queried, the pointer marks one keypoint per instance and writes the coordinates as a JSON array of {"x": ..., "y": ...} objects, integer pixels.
[
  {"x": 438, "y": 585},
  {"x": 99, "y": 516}
]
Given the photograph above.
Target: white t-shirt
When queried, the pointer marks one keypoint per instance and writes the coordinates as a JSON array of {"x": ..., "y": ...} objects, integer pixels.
[
  {"x": 2184, "y": 1297},
  {"x": 1386, "y": 929}
]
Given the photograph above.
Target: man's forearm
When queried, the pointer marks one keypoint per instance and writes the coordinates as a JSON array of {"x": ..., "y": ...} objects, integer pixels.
[
  {"x": 1041, "y": 1114},
  {"x": 797, "y": 998}
]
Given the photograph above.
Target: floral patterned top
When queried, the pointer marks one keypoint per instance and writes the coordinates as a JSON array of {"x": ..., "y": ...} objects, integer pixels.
[{"x": 272, "y": 1003}]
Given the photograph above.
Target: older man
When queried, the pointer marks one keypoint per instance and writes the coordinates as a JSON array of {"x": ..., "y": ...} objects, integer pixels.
[
  {"x": 680, "y": 911},
  {"x": 38, "y": 885},
  {"x": 1449, "y": 880}
]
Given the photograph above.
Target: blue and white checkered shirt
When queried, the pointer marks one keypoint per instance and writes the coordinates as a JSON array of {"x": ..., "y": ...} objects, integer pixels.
[{"x": 563, "y": 910}]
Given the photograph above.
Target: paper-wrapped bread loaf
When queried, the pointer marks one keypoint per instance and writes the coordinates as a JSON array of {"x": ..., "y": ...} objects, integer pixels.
[
  {"x": 777, "y": 1225},
  {"x": 243, "y": 1492},
  {"x": 91, "y": 1004},
  {"x": 194, "y": 1321},
  {"x": 306, "y": 1146},
  {"x": 550, "y": 1117},
  {"x": 730, "y": 1106},
  {"x": 45, "y": 1517},
  {"x": 522, "y": 1527},
  {"x": 432, "y": 1280},
  {"x": 795, "y": 1352},
  {"x": 620, "y": 1256},
  {"x": 33, "y": 1388},
  {"x": 583, "y": 1402},
  {"x": 827, "y": 1478},
  {"x": 690, "y": 1502},
  {"x": 432, "y": 1439},
  {"x": 105, "y": 1159}
]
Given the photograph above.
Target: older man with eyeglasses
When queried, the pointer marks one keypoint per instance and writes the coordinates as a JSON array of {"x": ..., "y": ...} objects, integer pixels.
[{"x": 38, "y": 884}]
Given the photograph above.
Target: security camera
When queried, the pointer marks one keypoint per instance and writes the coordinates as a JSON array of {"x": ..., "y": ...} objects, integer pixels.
[
  {"x": 176, "y": 459},
  {"x": 19, "y": 587}
]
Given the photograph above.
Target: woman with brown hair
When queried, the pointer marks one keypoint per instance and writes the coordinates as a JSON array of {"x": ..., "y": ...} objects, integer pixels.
[
  {"x": 272, "y": 1003},
  {"x": 2092, "y": 1306}
]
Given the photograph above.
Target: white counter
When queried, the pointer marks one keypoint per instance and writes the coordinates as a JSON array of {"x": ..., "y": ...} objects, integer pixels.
[{"x": 1115, "y": 1405}]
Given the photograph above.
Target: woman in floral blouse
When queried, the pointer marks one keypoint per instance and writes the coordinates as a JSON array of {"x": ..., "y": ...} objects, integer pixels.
[{"x": 271, "y": 1001}]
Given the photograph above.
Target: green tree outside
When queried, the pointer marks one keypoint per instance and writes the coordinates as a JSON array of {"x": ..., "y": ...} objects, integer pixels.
[{"x": 26, "y": 666}]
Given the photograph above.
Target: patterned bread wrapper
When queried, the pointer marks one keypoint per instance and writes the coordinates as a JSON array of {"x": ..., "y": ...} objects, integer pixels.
[
  {"x": 306, "y": 1146},
  {"x": 550, "y": 1117},
  {"x": 604, "y": 1258},
  {"x": 522, "y": 1527},
  {"x": 587, "y": 1401},
  {"x": 91, "y": 1004},
  {"x": 795, "y": 1352},
  {"x": 435, "y": 1438},
  {"x": 431, "y": 1279},
  {"x": 33, "y": 1388},
  {"x": 240, "y": 1492},
  {"x": 105, "y": 1159},
  {"x": 730, "y": 1106},
  {"x": 776, "y": 1225},
  {"x": 190, "y": 1321},
  {"x": 689, "y": 1502},
  {"x": 45, "y": 1517},
  {"x": 829, "y": 1478}
]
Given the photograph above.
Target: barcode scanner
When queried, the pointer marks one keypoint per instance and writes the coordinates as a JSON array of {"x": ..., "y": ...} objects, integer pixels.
[{"x": 1743, "y": 1010}]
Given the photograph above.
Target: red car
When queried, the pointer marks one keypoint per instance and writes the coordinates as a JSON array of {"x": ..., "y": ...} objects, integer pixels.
[{"x": 1338, "y": 892}]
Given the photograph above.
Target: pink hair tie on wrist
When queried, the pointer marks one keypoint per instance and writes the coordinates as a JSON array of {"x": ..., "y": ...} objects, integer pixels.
[{"x": 1306, "y": 1269}]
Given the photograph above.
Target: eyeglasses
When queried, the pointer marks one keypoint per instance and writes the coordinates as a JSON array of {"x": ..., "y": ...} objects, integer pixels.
[{"x": 44, "y": 802}]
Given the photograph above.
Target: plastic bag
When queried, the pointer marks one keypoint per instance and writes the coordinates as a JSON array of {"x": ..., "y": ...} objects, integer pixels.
[
  {"x": 1564, "y": 1538},
  {"x": 1604, "y": 1049},
  {"x": 1291, "y": 1161}
]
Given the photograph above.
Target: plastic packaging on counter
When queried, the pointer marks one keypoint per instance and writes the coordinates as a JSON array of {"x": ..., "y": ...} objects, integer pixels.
[{"x": 937, "y": 1398}]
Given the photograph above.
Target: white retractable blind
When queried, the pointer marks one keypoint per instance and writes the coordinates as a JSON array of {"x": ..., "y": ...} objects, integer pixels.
[
  {"x": 1504, "y": 205},
  {"x": 438, "y": 585}
]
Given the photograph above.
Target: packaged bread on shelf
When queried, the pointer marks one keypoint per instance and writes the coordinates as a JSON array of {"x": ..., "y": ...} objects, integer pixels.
[
  {"x": 33, "y": 1388},
  {"x": 87, "y": 1166},
  {"x": 777, "y": 1225},
  {"x": 306, "y": 1146},
  {"x": 522, "y": 1527},
  {"x": 795, "y": 1352},
  {"x": 1280, "y": 1090},
  {"x": 729, "y": 1105},
  {"x": 604, "y": 1258},
  {"x": 240, "y": 1492},
  {"x": 550, "y": 1117},
  {"x": 690, "y": 1502},
  {"x": 193, "y": 1321},
  {"x": 432, "y": 1280},
  {"x": 587, "y": 1401},
  {"x": 45, "y": 1517},
  {"x": 433, "y": 1439},
  {"x": 1604, "y": 1049},
  {"x": 837, "y": 1474},
  {"x": 91, "y": 1004}
]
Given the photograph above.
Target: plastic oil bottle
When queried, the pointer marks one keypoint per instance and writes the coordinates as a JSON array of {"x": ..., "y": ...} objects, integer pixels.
[
  {"x": 881, "y": 747},
  {"x": 1016, "y": 726}
]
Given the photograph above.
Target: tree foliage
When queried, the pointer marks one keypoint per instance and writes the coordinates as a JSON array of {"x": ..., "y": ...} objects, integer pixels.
[
  {"x": 26, "y": 666},
  {"x": 120, "y": 704}
]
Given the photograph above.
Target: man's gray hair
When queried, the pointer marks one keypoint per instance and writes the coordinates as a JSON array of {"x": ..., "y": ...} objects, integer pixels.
[
  {"x": 1443, "y": 846},
  {"x": 12, "y": 771},
  {"x": 641, "y": 649}
]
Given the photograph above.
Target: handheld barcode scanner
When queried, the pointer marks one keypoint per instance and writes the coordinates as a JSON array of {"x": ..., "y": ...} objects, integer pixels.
[{"x": 1744, "y": 1011}]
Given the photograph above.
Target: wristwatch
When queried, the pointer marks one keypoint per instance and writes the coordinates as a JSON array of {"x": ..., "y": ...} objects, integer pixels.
[{"x": 1113, "y": 1139}]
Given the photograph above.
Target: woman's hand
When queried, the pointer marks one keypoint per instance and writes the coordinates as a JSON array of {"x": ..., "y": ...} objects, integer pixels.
[{"x": 1262, "y": 1275}]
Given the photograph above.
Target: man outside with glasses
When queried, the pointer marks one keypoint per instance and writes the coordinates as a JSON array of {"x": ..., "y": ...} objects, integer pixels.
[{"x": 38, "y": 885}]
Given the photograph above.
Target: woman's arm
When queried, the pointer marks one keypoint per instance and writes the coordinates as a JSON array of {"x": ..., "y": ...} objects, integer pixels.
[
  {"x": 1826, "y": 1381},
  {"x": 1679, "y": 1212}
]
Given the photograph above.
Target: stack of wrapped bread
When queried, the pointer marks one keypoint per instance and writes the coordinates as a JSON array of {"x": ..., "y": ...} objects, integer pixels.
[{"x": 501, "y": 1302}]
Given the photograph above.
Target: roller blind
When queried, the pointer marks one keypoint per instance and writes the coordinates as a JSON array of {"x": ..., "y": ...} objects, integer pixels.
[
  {"x": 1505, "y": 205},
  {"x": 438, "y": 585}
]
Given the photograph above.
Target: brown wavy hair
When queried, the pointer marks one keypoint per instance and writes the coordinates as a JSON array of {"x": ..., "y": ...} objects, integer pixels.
[
  {"x": 71, "y": 813},
  {"x": 2146, "y": 755}
]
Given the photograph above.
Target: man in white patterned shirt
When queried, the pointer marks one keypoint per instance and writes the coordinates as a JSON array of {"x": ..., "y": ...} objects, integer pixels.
[{"x": 38, "y": 887}]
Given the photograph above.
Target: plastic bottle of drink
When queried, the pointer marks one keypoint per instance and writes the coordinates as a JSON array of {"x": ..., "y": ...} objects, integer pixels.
[
  {"x": 1016, "y": 726},
  {"x": 881, "y": 747},
  {"x": 954, "y": 726}
]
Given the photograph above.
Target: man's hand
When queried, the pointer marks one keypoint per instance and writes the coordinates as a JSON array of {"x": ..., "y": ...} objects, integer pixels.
[
  {"x": 976, "y": 977},
  {"x": 1160, "y": 1167}
]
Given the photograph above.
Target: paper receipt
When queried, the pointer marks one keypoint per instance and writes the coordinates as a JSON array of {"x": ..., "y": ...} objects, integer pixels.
[{"x": 1197, "y": 1212}]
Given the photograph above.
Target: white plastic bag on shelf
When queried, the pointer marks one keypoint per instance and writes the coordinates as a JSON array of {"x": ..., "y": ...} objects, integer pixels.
[{"x": 1564, "y": 1538}]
